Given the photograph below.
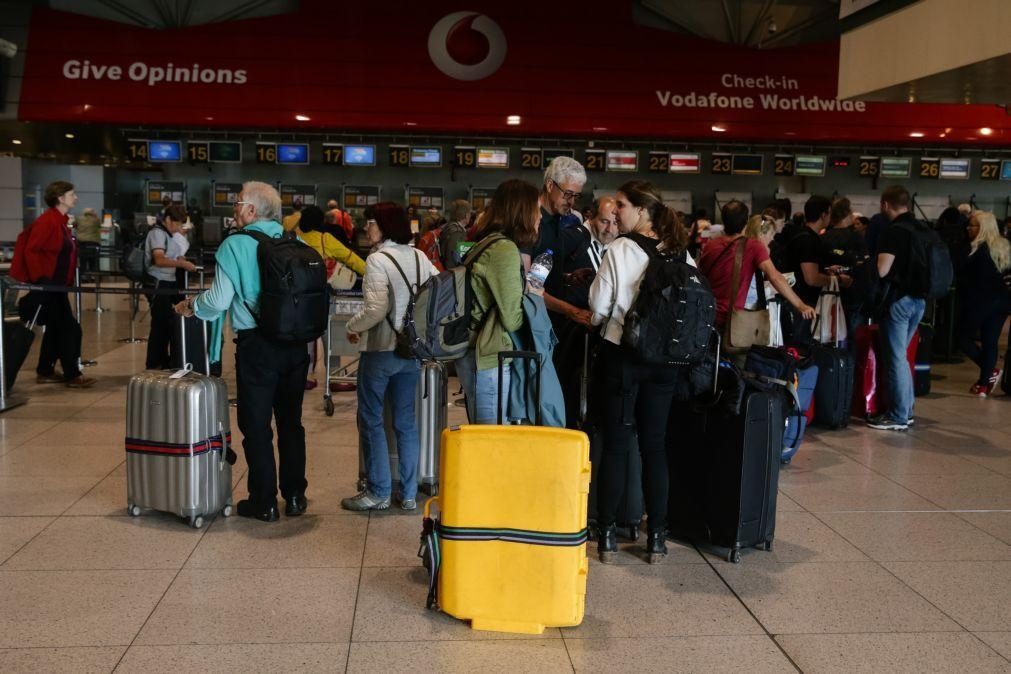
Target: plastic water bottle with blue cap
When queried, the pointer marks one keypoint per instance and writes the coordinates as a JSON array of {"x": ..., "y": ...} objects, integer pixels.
[{"x": 539, "y": 271}]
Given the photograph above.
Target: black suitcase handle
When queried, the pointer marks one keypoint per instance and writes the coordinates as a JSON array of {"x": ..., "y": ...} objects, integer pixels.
[{"x": 525, "y": 356}]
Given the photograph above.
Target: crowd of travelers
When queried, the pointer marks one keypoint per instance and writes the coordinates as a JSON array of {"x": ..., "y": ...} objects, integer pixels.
[{"x": 594, "y": 265}]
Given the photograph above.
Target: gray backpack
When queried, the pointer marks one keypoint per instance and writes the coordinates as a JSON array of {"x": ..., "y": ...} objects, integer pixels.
[{"x": 438, "y": 324}]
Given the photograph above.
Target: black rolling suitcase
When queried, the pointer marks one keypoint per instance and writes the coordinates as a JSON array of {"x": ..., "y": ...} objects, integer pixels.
[
  {"x": 834, "y": 392},
  {"x": 924, "y": 354},
  {"x": 17, "y": 343},
  {"x": 633, "y": 505}
]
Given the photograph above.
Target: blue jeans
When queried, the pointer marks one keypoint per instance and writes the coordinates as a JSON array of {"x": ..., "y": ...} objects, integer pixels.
[
  {"x": 480, "y": 387},
  {"x": 897, "y": 328},
  {"x": 378, "y": 373}
]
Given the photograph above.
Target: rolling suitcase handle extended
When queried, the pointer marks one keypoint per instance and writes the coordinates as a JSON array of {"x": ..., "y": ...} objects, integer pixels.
[
  {"x": 186, "y": 365},
  {"x": 527, "y": 356}
]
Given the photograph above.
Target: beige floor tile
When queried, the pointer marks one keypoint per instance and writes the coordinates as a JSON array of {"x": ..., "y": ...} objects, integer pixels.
[
  {"x": 508, "y": 657},
  {"x": 999, "y": 461},
  {"x": 677, "y": 654},
  {"x": 660, "y": 601},
  {"x": 976, "y": 594},
  {"x": 16, "y": 432},
  {"x": 108, "y": 497},
  {"x": 956, "y": 492},
  {"x": 678, "y": 552},
  {"x": 393, "y": 541},
  {"x": 38, "y": 409},
  {"x": 951, "y": 436},
  {"x": 857, "y": 435},
  {"x": 997, "y": 524},
  {"x": 391, "y": 601},
  {"x": 785, "y": 504},
  {"x": 76, "y": 608},
  {"x": 800, "y": 537},
  {"x": 213, "y": 606},
  {"x": 935, "y": 536},
  {"x": 820, "y": 493},
  {"x": 234, "y": 658},
  {"x": 84, "y": 660},
  {"x": 999, "y": 641},
  {"x": 42, "y": 495},
  {"x": 16, "y": 531},
  {"x": 108, "y": 543},
  {"x": 86, "y": 432},
  {"x": 38, "y": 460},
  {"x": 293, "y": 542},
  {"x": 832, "y": 597},
  {"x": 874, "y": 653},
  {"x": 324, "y": 496},
  {"x": 821, "y": 461},
  {"x": 923, "y": 460}
]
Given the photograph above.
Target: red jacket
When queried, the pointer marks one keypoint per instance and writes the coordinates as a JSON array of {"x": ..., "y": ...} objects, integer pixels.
[{"x": 51, "y": 252}]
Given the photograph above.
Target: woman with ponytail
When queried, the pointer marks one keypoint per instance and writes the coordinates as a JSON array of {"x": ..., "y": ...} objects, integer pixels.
[{"x": 637, "y": 397}]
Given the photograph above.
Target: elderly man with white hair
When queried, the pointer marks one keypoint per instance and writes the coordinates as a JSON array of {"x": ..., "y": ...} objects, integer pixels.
[{"x": 270, "y": 376}]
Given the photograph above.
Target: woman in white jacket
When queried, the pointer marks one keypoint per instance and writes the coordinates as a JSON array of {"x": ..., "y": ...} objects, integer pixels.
[
  {"x": 637, "y": 397},
  {"x": 390, "y": 270}
]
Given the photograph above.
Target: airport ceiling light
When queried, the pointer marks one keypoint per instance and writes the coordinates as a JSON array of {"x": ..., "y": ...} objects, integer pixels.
[
  {"x": 754, "y": 23},
  {"x": 164, "y": 14}
]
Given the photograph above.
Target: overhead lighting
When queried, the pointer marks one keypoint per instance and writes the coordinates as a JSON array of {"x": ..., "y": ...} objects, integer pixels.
[
  {"x": 600, "y": 128},
  {"x": 209, "y": 119},
  {"x": 513, "y": 120},
  {"x": 718, "y": 128},
  {"x": 16, "y": 141},
  {"x": 986, "y": 131},
  {"x": 916, "y": 134},
  {"x": 68, "y": 135},
  {"x": 410, "y": 123},
  {"x": 87, "y": 106},
  {"x": 301, "y": 118}
]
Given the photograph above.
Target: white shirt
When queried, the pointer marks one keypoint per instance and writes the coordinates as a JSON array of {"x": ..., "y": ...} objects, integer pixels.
[
  {"x": 617, "y": 284},
  {"x": 596, "y": 250},
  {"x": 383, "y": 283}
]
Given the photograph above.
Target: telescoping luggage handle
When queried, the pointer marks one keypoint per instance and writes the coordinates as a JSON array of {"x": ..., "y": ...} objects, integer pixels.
[
  {"x": 525, "y": 356},
  {"x": 187, "y": 366}
]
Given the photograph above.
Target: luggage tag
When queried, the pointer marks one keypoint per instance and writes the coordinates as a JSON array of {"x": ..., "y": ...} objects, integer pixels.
[{"x": 179, "y": 374}]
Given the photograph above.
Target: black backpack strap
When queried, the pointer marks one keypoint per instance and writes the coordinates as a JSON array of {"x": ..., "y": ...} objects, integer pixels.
[
  {"x": 645, "y": 243},
  {"x": 406, "y": 282},
  {"x": 260, "y": 237}
]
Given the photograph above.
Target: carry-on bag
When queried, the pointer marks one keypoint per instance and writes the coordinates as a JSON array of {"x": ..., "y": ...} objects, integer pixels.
[
  {"x": 178, "y": 456},
  {"x": 796, "y": 424},
  {"x": 18, "y": 339},
  {"x": 834, "y": 390},
  {"x": 924, "y": 355},
  {"x": 801, "y": 376},
  {"x": 193, "y": 345},
  {"x": 870, "y": 384}
]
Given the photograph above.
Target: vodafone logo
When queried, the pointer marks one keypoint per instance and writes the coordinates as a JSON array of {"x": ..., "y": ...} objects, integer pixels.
[{"x": 467, "y": 46}]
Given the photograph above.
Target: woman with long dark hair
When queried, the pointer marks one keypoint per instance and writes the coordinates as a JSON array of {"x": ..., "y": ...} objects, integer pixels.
[
  {"x": 498, "y": 281},
  {"x": 637, "y": 396}
]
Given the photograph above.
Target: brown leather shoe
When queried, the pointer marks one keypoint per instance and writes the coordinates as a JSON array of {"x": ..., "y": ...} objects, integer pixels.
[
  {"x": 49, "y": 379},
  {"x": 81, "y": 381}
]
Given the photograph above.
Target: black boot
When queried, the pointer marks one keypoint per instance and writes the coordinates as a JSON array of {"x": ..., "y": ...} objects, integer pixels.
[
  {"x": 607, "y": 543},
  {"x": 656, "y": 545}
]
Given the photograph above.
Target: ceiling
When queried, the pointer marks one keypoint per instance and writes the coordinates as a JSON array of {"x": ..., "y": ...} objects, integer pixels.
[{"x": 756, "y": 23}]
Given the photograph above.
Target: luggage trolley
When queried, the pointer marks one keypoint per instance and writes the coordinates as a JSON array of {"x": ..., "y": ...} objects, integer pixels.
[{"x": 344, "y": 304}]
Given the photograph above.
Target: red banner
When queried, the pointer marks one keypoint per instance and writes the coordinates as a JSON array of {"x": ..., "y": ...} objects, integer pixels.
[{"x": 561, "y": 68}]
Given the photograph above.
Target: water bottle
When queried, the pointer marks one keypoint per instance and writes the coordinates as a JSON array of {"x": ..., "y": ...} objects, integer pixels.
[{"x": 539, "y": 270}]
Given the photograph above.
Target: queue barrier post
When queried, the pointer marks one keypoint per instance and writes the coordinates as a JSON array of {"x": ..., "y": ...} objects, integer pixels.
[
  {"x": 7, "y": 401},
  {"x": 135, "y": 307},
  {"x": 81, "y": 362}
]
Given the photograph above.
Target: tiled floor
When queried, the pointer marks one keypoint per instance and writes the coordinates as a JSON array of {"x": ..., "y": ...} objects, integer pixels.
[{"x": 893, "y": 553}]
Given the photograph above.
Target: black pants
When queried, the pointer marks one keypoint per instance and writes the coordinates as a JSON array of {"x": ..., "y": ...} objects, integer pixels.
[
  {"x": 62, "y": 338},
  {"x": 270, "y": 379},
  {"x": 637, "y": 400},
  {"x": 568, "y": 360},
  {"x": 987, "y": 327},
  {"x": 163, "y": 342}
]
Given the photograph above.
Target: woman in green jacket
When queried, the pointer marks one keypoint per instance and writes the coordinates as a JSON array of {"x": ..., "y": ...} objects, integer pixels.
[{"x": 498, "y": 281}]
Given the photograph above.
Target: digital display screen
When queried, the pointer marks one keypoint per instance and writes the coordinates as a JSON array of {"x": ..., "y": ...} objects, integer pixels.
[
  {"x": 684, "y": 162},
  {"x": 164, "y": 150},
  {"x": 955, "y": 169},
  {"x": 229, "y": 152},
  {"x": 359, "y": 155},
  {"x": 747, "y": 164},
  {"x": 426, "y": 156},
  {"x": 292, "y": 153},
  {"x": 1005, "y": 170},
  {"x": 807, "y": 165},
  {"x": 550, "y": 153},
  {"x": 895, "y": 167},
  {"x": 493, "y": 157},
  {"x": 622, "y": 160}
]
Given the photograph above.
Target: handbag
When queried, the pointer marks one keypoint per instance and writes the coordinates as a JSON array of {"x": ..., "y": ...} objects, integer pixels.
[
  {"x": 339, "y": 275},
  {"x": 745, "y": 327},
  {"x": 829, "y": 325}
]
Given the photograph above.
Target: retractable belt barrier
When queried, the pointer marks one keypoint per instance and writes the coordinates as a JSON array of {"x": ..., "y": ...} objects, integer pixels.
[{"x": 91, "y": 290}]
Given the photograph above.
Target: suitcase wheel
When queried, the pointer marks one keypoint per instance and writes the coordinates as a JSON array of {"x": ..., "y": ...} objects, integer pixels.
[
  {"x": 134, "y": 510},
  {"x": 196, "y": 522},
  {"x": 633, "y": 532},
  {"x": 734, "y": 555},
  {"x": 227, "y": 511},
  {"x": 768, "y": 546},
  {"x": 328, "y": 407}
]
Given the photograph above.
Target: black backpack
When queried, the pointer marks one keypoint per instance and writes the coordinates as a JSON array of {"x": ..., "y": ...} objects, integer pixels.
[
  {"x": 930, "y": 272},
  {"x": 294, "y": 300},
  {"x": 671, "y": 320}
]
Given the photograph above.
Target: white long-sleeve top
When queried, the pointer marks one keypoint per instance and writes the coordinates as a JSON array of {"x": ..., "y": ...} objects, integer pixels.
[
  {"x": 383, "y": 284},
  {"x": 617, "y": 285}
]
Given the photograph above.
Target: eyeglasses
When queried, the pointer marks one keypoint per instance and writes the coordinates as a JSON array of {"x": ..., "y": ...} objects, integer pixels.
[
  {"x": 568, "y": 195},
  {"x": 371, "y": 223},
  {"x": 236, "y": 204}
]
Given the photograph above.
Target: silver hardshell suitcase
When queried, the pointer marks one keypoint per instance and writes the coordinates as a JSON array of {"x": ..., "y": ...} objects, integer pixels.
[{"x": 177, "y": 444}]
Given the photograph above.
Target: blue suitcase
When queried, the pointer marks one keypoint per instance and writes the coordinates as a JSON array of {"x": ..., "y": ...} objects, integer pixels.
[{"x": 796, "y": 424}]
